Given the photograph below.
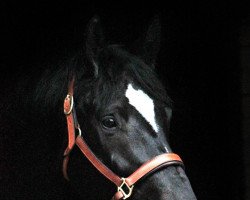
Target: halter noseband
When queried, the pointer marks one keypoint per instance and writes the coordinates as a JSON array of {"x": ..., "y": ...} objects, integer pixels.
[{"x": 124, "y": 185}]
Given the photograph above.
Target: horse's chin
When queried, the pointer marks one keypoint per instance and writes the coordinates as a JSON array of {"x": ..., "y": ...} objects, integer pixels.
[{"x": 168, "y": 184}]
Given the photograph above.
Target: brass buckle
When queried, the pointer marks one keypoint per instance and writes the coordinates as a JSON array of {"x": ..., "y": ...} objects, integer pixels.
[
  {"x": 71, "y": 104},
  {"x": 129, "y": 189}
]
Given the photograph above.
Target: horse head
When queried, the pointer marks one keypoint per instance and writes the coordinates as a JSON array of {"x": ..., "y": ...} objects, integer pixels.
[{"x": 124, "y": 113}]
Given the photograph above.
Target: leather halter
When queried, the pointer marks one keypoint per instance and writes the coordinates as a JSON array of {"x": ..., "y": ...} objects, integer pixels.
[{"x": 124, "y": 185}]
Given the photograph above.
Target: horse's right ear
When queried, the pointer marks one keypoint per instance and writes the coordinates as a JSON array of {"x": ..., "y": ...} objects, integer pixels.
[
  {"x": 148, "y": 46},
  {"x": 94, "y": 42}
]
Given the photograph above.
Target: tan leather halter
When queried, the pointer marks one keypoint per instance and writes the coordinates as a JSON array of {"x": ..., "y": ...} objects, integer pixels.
[{"x": 124, "y": 185}]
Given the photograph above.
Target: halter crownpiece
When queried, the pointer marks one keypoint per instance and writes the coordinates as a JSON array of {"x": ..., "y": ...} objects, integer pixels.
[{"x": 124, "y": 185}]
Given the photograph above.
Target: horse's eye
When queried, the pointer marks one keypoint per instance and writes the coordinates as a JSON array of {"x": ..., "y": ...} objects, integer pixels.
[{"x": 109, "y": 122}]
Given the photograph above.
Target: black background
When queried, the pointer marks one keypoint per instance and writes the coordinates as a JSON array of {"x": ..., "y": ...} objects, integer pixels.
[{"x": 198, "y": 62}]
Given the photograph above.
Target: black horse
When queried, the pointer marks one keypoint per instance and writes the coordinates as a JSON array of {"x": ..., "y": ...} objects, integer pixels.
[{"x": 124, "y": 113}]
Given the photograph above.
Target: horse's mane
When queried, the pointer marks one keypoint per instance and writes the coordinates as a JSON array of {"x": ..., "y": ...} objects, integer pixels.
[{"x": 52, "y": 86}]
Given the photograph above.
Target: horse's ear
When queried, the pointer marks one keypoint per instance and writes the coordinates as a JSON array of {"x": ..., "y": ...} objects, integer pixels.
[
  {"x": 94, "y": 41},
  {"x": 152, "y": 41}
]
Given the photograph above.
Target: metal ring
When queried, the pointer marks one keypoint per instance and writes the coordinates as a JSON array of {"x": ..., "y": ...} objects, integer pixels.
[{"x": 79, "y": 131}]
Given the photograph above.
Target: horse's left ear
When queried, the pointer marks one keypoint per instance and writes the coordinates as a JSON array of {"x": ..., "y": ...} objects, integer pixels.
[
  {"x": 152, "y": 41},
  {"x": 95, "y": 41}
]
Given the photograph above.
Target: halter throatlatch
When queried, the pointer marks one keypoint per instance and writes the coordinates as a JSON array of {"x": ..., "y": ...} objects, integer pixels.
[{"x": 124, "y": 185}]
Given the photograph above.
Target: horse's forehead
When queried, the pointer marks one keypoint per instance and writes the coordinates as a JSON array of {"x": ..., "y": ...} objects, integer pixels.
[{"x": 143, "y": 104}]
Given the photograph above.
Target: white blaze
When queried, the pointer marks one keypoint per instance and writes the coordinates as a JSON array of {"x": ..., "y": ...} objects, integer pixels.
[{"x": 143, "y": 104}]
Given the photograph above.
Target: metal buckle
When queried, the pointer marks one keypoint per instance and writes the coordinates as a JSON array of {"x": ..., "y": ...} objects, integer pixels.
[
  {"x": 120, "y": 189},
  {"x": 71, "y": 104}
]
